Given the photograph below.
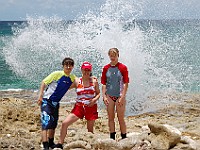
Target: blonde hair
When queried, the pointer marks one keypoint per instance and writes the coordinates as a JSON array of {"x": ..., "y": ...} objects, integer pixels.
[{"x": 113, "y": 50}]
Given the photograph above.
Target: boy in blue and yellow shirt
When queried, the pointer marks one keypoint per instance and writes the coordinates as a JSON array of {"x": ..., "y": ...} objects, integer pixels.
[{"x": 52, "y": 89}]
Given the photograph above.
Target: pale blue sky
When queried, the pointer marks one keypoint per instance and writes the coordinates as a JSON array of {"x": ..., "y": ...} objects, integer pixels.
[{"x": 69, "y": 9}]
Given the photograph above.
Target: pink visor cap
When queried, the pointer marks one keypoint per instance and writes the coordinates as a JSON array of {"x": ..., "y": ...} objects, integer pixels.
[{"x": 86, "y": 66}]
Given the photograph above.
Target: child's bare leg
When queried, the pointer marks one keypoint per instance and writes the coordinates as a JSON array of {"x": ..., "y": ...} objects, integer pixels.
[
  {"x": 111, "y": 117},
  {"x": 90, "y": 125},
  {"x": 71, "y": 118},
  {"x": 120, "y": 114}
]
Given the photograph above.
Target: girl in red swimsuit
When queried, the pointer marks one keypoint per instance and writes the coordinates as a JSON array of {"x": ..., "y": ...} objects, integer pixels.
[{"x": 87, "y": 89}]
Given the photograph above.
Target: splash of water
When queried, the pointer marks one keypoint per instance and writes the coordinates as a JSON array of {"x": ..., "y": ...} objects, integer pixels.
[{"x": 39, "y": 47}]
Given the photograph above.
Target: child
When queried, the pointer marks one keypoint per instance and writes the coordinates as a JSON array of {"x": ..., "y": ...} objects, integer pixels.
[
  {"x": 87, "y": 89},
  {"x": 52, "y": 89},
  {"x": 115, "y": 81}
]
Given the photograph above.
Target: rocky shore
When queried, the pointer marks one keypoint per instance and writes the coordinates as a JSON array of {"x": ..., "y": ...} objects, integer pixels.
[{"x": 174, "y": 126}]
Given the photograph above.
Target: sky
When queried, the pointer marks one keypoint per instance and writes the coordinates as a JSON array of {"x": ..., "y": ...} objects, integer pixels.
[{"x": 70, "y": 9}]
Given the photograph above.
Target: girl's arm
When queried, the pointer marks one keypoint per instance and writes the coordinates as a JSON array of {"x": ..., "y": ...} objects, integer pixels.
[
  {"x": 124, "y": 91},
  {"x": 105, "y": 99},
  {"x": 123, "y": 96},
  {"x": 97, "y": 90}
]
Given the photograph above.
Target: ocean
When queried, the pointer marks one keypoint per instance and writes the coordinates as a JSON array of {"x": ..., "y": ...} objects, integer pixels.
[{"x": 162, "y": 55}]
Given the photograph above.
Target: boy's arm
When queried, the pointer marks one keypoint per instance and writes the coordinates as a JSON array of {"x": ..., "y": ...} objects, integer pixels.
[
  {"x": 42, "y": 87},
  {"x": 46, "y": 81},
  {"x": 74, "y": 84}
]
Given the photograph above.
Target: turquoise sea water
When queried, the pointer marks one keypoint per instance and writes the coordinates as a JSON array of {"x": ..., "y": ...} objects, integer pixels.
[
  {"x": 174, "y": 46},
  {"x": 162, "y": 55}
]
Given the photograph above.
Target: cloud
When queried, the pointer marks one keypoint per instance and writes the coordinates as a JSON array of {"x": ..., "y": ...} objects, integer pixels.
[
  {"x": 68, "y": 9},
  {"x": 11, "y": 9},
  {"x": 167, "y": 9}
]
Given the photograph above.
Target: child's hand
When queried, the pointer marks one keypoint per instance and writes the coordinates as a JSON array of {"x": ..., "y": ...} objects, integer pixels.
[
  {"x": 105, "y": 100},
  {"x": 92, "y": 102},
  {"x": 39, "y": 101},
  {"x": 121, "y": 101}
]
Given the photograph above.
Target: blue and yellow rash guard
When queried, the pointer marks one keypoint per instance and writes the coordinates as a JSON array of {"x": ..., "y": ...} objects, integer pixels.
[{"x": 58, "y": 84}]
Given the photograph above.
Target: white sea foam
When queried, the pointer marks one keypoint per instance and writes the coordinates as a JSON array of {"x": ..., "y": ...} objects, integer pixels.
[
  {"x": 15, "y": 90},
  {"x": 38, "y": 49}
]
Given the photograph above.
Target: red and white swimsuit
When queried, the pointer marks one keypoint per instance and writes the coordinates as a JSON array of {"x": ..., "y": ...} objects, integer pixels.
[{"x": 85, "y": 94}]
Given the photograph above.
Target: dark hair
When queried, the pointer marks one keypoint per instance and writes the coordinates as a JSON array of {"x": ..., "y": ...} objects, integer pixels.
[{"x": 68, "y": 61}]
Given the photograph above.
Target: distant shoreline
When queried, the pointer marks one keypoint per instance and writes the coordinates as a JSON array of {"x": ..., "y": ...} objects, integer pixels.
[{"x": 137, "y": 20}]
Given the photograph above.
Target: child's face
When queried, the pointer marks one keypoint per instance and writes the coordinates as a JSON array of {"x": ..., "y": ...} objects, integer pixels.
[
  {"x": 68, "y": 68},
  {"x": 86, "y": 72},
  {"x": 113, "y": 57}
]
